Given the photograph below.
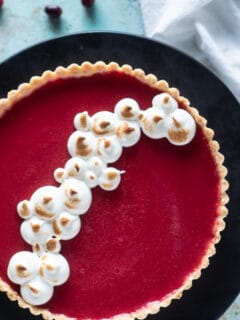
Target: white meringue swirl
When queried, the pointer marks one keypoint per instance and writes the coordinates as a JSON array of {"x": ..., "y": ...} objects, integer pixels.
[
  {"x": 54, "y": 268},
  {"x": 127, "y": 109},
  {"x": 37, "y": 291},
  {"x": 81, "y": 144},
  {"x": 103, "y": 123},
  {"x": 77, "y": 196},
  {"x": 109, "y": 149},
  {"x": 128, "y": 133},
  {"x": 36, "y": 230},
  {"x": 152, "y": 123},
  {"x": 23, "y": 267}
]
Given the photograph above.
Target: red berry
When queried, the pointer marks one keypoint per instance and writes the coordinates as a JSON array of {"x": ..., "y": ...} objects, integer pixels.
[
  {"x": 53, "y": 11},
  {"x": 1, "y": 3},
  {"x": 87, "y": 3}
]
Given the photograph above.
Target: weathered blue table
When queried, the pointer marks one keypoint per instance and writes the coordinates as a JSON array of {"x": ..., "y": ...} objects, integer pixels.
[{"x": 24, "y": 23}]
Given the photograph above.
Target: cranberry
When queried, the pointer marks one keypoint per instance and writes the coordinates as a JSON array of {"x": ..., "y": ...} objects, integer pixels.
[
  {"x": 87, "y": 3},
  {"x": 1, "y": 3},
  {"x": 53, "y": 11}
]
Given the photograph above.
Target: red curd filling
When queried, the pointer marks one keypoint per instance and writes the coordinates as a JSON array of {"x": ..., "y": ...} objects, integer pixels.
[{"x": 138, "y": 243}]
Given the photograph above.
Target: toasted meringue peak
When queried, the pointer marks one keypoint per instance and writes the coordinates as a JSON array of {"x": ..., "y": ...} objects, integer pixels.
[
  {"x": 54, "y": 268},
  {"x": 60, "y": 175},
  {"x": 76, "y": 168},
  {"x": 103, "y": 123},
  {"x": 128, "y": 133},
  {"x": 82, "y": 121},
  {"x": 53, "y": 245},
  {"x": 152, "y": 123},
  {"x": 25, "y": 209},
  {"x": 47, "y": 202},
  {"x": 96, "y": 165},
  {"x": 182, "y": 128},
  {"x": 110, "y": 179},
  {"x": 81, "y": 144},
  {"x": 37, "y": 291},
  {"x": 23, "y": 266},
  {"x": 38, "y": 248},
  {"x": 165, "y": 102},
  {"x": 77, "y": 196},
  {"x": 109, "y": 149},
  {"x": 35, "y": 230},
  {"x": 68, "y": 226},
  {"x": 91, "y": 179},
  {"x": 127, "y": 109}
]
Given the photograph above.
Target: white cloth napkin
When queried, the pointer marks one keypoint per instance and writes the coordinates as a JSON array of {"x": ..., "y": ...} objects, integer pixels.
[{"x": 208, "y": 30}]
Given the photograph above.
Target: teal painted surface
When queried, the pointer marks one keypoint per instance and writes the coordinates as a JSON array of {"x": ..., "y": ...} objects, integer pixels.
[
  {"x": 233, "y": 313},
  {"x": 24, "y": 23}
]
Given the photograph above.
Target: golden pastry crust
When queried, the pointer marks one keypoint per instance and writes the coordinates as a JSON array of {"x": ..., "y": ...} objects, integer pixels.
[{"x": 87, "y": 69}]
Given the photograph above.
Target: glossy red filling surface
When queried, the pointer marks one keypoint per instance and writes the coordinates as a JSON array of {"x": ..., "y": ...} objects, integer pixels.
[{"x": 137, "y": 243}]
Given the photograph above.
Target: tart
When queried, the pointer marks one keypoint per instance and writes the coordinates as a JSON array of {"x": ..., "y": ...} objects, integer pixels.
[{"x": 142, "y": 243}]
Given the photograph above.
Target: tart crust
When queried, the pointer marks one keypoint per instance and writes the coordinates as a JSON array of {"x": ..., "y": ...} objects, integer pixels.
[{"x": 87, "y": 69}]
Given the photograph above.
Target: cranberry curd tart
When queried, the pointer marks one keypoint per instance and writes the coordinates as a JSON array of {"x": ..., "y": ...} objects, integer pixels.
[{"x": 113, "y": 193}]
